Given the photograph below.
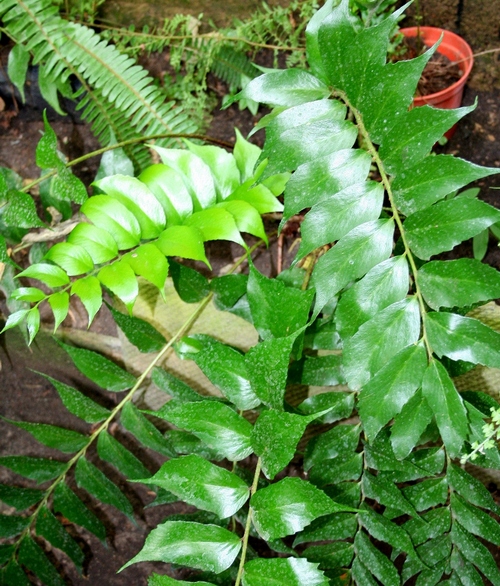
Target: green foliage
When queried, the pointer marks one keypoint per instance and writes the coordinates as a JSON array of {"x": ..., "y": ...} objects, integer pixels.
[{"x": 357, "y": 308}]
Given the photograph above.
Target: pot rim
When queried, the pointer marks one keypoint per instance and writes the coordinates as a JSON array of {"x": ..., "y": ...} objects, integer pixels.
[{"x": 459, "y": 44}]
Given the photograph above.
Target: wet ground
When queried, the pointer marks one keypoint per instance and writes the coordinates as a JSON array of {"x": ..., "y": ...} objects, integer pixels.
[{"x": 24, "y": 395}]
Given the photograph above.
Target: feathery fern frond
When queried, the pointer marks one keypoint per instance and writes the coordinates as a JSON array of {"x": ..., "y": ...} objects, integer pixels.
[{"x": 116, "y": 95}]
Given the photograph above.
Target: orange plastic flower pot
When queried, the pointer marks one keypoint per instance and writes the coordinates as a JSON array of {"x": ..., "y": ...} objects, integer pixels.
[{"x": 458, "y": 51}]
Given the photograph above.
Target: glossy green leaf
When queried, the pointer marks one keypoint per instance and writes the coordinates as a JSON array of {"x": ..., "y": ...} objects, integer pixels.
[
  {"x": 318, "y": 371},
  {"x": 120, "y": 279},
  {"x": 13, "y": 575},
  {"x": 245, "y": 155},
  {"x": 20, "y": 211},
  {"x": 347, "y": 466},
  {"x": 228, "y": 290},
  {"x": 429, "y": 525},
  {"x": 216, "y": 424},
  {"x": 99, "y": 369},
  {"x": 49, "y": 274},
  {"x": 408, "y": 142},
  {"x": 142, "y": 429},
  {"x": 447, "y": 406},
  {"x": 190, "y": 284},
  {"x": 33, "y": 323},
  {"x": 335, "y": 442},
  {"x": 379, "y": 565},
  {"x": 98, "y": 242},
  {"x": 68, "y": 504},
  {"x": 336, "y": 526},
  {"x": 185, "y": 443},
  {"x": 361, "y": 574},
  {"x": 15, "y": 319},
  {"x": 59, "y": 303},
  {"x": 139, "y": 200},
  {"x": 446, "y": 224},
  {"x": 290, "y": 145},
  {"x": 288, "y": 87},
  {"x": 267, "y": 367},
  {"x": 391, "y": 388},
  {"x": 283, "y": 572},
  {"x": 418, "y": 464},
  {"x": 382, "y": 286},
  {"x": 466, "y": 572},
  {"x": 286, "y": 507},
  {"x": 475, "y": 520},
  {"x": 385, "y": 530},
  {"x": 222, "y": 166},
  {"x": 463, "y": 338},
  {"x": 32, "y": 557},
  {"x": 386, "y": 493},
  {"x": 202, "y": 484},
  {"x": 30, "y": 294},
  {"x": 216, "y": 224},
  {"x": 112, "y": 451},
  {"x": 226, "y": 368},
  {"x": 67, "y": 187},
  {"x": 480, "y": 244},
  {"x": 90, "y": 293},
  {"x": 65, "y": 440},
  {"x": 113, "y": 162},
  {"x": 113, "y": 217},
  {"x": 352, "y": 257},
  {"x": 39, "y": 469},
  {"x": 350, "y": 207},
  {"x": 379, "y": 339},
  {"x": 277, "y": 310},
  {"x": 51, "y": 529},
  {"x": 206, "y": 547},
  {"x": 427, "y": 494},
  {"x": 17, "y": 66},
  {"x": 247, "y": 218},
  {"x": 49, "y": 89},
  {"x": 354, "y": 59},
  {"x": 12, "y": 525},
  {"x": 345, "y": 493},
  {"x": 173, "y": 386},
  {"x": 475, "y": 552},
  {"x": 96, "y": 483},
  {"x": 183, "y": 241},
  {"x": 317, "y": 180},
  {"x": 148, "y": 262},
  {"x": 169, "y": 189},
  {"x": 472, "y": 281},
  {"x": 74, "y": 259},
  {"x": 436, "y": 554},
  {"x": 259, "y": 196},
  {"x": 338, "y": 403},
  {"x": 433, "y": 179},
  {"x": 410, "y": 424},
  {"x": 195, "y": 174},
  {"x": 46, "y": 149},
  {"x": 145, "y": 337},
  {"x": 275, "y": 437},
  {"x": 20, "y": 498}
]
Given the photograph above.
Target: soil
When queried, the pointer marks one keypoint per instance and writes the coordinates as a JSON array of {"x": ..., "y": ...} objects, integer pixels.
[
  {"x": 24, "y": 395},
  {"x": 439, "y": 73}
]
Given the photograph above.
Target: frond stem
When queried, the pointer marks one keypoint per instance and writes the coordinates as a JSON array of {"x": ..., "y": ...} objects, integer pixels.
[
  {"x": 370, "y": 147},
  {"x": 248, "y": 524},
  {"x": 105, "y": 424}
]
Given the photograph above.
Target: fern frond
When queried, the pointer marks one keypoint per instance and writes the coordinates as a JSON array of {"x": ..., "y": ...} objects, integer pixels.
[{"x": 118, "y": 94}]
